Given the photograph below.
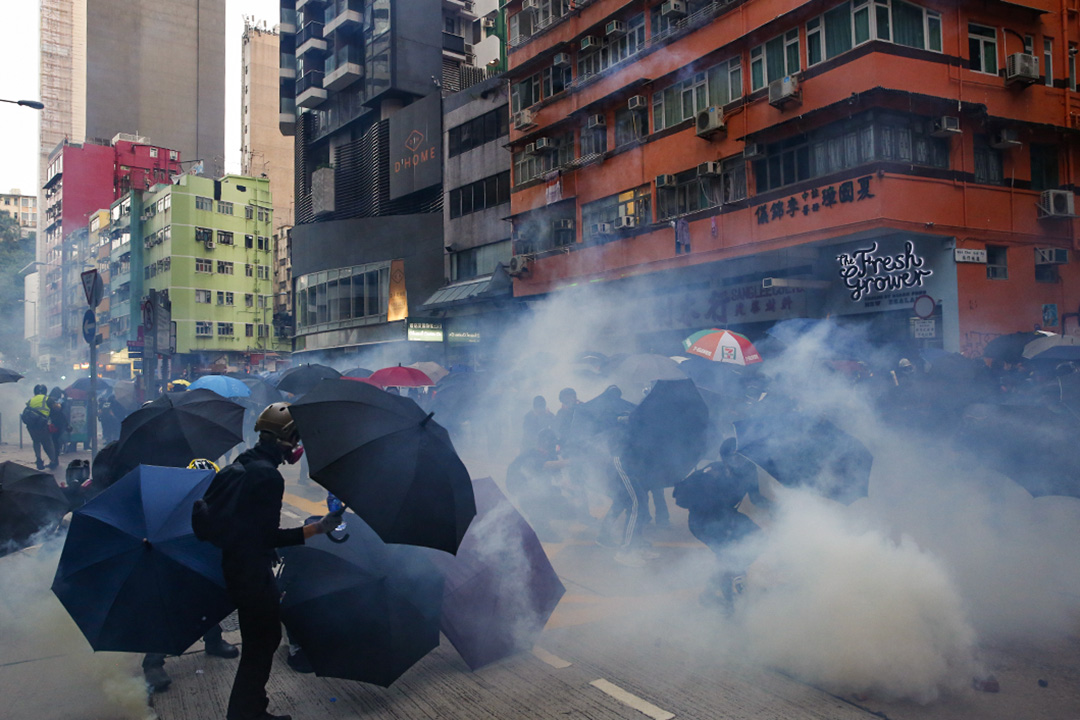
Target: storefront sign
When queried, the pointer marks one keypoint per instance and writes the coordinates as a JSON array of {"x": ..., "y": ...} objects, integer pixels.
[
  {"x": 865, "y": 271},
  {"x": 415, "y": 157},
  {"x": 923, "y": 329},
  {"x": 398, "y": 302},
  {"x": 462, "y": 336},
  {"x": 425, "y": 332},
  {"x": 814, "y": 200},
  {"x": 970, "y": 255}
]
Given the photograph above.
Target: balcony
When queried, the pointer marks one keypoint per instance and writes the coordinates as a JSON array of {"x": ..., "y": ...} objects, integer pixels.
[
  {"x": 344, "y": 16},
  {"x": 289, "y": 21},
  {"x": 287, "y": 68},
  {"x": 301, "y": 4},
  {"x": 310, "y": 39},
  {"x": 309, "y": 90},
  {"x": 453, "y": 43},
  {"x": 343, "y": 67},
  {"x": 287, "y": 116}
]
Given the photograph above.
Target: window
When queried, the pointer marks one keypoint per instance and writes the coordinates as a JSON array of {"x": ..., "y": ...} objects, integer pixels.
[
  {"x": 692, "y": 193},
  {"x": 166, "y": 232},
  {"x": 204, "y": 265},
  {"x": 225, "y": 208},
  {"x": 264, "y": 330},
  {"x": 224, "y": 328},
  {"x": 555, "y": 79},
  {"x": 168, "y": 201},
  {"x": 480, "y": 195},
  {"x": 249, "y": 300},
  {"x": 630, "y": 125},
  {"x": 224, "y": 267},
  {"x": 1072, "y": 66},
  {"x": 525, "y": 93},
  {"x": 1048, "y": 62},
  {"x": 264, "y": 272},
  {"x": 204, "y": 329},
  {"x": 489, "y": 127},
  {"x": 529, "y": 166},
  {"x": 204, "y": 235},
  {"x": 1044, "y": 167},
  {"x": 593, "y": 141},
  {"x": 224, "y": 298},
  {"x": 249, "y": 330},
  {"x": 774, "y": 59},
  {"x": 714, "y": 87},
  {"x": 249, "y": 270},
  {"x": 173, "y": 155},
  {"x": 988, "y": 162},
  {"x": 997, "y": 262},
  {"x": 631, "y": 203},
  {"x": 203, "y": 203},
  {"x": 1045, "y": 272},
  {"x": 249, "y": 241},
  {"x": 153, "y": 152},
  {"x": 264, "y": 215},
  {"x": 982, "y": 48},
  {"x": 249, "y": 212},
  {"x": 264, "y": 242},
  {"x": 202, "y": 296},
  {"x": 224, "y": 238}
]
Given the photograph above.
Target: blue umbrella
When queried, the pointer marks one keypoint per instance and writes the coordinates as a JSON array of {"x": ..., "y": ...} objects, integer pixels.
[
  {"x": 132, "y": 575},
  {"x": 223, "y": 385}
]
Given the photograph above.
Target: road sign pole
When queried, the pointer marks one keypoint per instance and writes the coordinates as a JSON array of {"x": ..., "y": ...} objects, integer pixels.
[{"x": 91, "y": 420}]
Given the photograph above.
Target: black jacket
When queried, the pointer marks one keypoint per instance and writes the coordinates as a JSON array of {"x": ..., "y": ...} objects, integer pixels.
[{"x": 263, "y": 490}]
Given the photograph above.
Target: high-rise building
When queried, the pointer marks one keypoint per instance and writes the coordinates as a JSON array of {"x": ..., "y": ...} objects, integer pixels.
[
  {"x": 904, "y": 166},
  {"x": 21, "y": 208},
  {"x": 140, "y": 67},
  {"x": 365, "y": 107},
  {"x": 264, "y": 150}
]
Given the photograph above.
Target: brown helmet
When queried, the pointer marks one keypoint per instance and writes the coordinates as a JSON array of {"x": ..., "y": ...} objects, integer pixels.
[{"x": 278, "y": 421}]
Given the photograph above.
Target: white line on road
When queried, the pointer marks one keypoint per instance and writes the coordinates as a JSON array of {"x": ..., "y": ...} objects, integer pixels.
[
  {"x": 553, "y": 660},
  {"x": 290, "y": 514},
  {"x": 627, "y": 698}
]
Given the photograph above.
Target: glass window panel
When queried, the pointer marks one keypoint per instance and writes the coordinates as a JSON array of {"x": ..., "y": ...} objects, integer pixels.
[
  {"x": 345, "y": 298},
  {"x": 882, "y": 13},
  {"x": 908, "y": 26},
  {"x": 321, "y": 308},
  {"x": 371, "y": 292},
  {"x": 837, "y": 30},
  {"x": 774, "y": 58},
  {"x": 862, "y": 24},
  {"x": 933, "y": 24},
  {"x": 358, "y": 296}
]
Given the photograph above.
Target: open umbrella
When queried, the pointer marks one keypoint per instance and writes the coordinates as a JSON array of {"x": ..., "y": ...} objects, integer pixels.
[
  {"x": 500, "y": 587},
  {"x": 361, "y": 609},
  {"x": 29, "y": 501},
  {"x": 179, "y": 427},
  {"x": 9, "y": 376},
  {"x": 126, "y": 392},
  {"x": 132, "y": 575},
  {"x": 357, "y": 372},
  {"x": 262, "y": 393},
  {"x": 667, "y": 433},
  {"x": 387, "y": 460},
  {"x": 300, "y": 379},
  {"x": 1010, "y": 348},
  {"x": 1047, "y": 342},
  {"x": 722, "y": 346},
  {"x": 83, "y": 384},
  {"x": 433, "y": 370},
  {"x": 223, "y": 385},
  {"x": 799, "y": 449},
  {"x": 399, "y": 376}
]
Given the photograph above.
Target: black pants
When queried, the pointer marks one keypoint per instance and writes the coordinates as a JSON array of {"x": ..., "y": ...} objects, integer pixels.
[
  {"x": 259, "y": 611},
  {"x": 153, "y": 660},
  {"x": 629, "y": 496},
  {"x": 43, "y": 439}
]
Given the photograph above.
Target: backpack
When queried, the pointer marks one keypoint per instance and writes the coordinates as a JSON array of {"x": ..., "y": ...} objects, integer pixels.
[
  {"x": 33, "y": 419},
  {"x": 213, "y": 515}
]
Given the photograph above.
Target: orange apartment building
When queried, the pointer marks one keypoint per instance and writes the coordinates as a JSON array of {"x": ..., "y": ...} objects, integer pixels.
[{"x": 908, "y": 165}]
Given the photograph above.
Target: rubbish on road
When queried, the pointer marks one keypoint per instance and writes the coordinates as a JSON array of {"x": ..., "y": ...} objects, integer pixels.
[{"x": 988, "y": 684}]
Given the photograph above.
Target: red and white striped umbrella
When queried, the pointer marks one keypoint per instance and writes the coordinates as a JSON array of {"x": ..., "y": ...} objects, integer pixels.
[{"x": 722, "y": 346}]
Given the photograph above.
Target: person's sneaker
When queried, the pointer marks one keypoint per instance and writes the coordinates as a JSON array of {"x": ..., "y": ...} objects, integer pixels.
[
  {"x": 222, "y": 649},
  {"x": 299, "y": 662},
  {"x": 40, "y": 465},
  {"x": 606, "y": 540},
  {"x": 630, "y": 558},
  {"x": 649, "y": 554},
  {"x": 157, "y": 679},
  {"x": 268, "y": 716}
]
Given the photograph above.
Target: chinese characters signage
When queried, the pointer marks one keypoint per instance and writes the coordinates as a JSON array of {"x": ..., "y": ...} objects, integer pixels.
[
  {"x": 865, "y": 271},
  {"x": 815, "y": 200}
]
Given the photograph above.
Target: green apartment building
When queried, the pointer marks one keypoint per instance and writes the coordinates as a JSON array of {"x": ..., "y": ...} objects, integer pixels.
[{"x": 207, "y": 243}]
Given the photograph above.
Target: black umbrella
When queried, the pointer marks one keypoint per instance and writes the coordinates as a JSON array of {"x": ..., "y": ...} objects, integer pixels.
[
  {"x": 8, "y": 376},
  {"x": 1010, "y": 348},
  {"x": 29, "y": 501},
  {"x": 799, "y": 449},
  {"x": 302, "y": 378},
  {"x": 667, "y": 433},
  {"x": 179, "y": 427},
  {"x": 459, "y": 397},
  {"x": 262, "y": 393},
  {"x": 357, "y": 372},
  {"x": 387, "y": 460},
  {"x": 361, "y": 609}
]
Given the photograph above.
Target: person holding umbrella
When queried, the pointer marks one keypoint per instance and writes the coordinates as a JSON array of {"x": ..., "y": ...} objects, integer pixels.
[{"x": 249, "y": 553}]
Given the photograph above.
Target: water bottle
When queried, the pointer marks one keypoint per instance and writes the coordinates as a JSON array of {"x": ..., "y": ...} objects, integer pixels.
[{"x": 335, "y": 505}]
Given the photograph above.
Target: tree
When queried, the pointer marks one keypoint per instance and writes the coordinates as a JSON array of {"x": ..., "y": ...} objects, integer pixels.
[{"x": 16, "y": 253}]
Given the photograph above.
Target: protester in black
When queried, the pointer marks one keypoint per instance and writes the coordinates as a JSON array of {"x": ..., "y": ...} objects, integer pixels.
[
  {"x": 532, "y": 481},
  {"x": 539, "y": 418}
]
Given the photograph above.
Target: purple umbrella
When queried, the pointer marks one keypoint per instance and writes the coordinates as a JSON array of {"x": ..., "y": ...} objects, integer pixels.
[{"x": 500, "y": 587}]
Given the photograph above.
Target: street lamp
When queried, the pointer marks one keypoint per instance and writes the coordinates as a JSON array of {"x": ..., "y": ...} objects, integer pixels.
[{"x": 26, "y": 103}]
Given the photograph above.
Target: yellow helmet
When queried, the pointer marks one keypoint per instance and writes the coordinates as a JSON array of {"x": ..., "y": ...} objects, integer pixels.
[{"x": 203, "y": 464}]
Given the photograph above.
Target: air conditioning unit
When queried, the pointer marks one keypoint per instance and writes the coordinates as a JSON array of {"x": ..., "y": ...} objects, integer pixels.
[
  {"x": 530, "y": 148},
  {"x": 562, "y": 224},
  {"x": 784, "y": 91},
  {"x": 561, "y": 60},
  {"x": 519, "y": 265},
  {"x": 637, "y": 102},
  {"x": 530, "y": 5},
  {"x": 1051, "y": 256},
  {"x": 524, "y": 120},
  {"x": 1057, "y": 204},
  {"x": 615, "y": 27},
  {"x": 753, "y": 151},
  {"x": 209, "y": 244},
  {"x": 544, "y": 145},
  {"x": 945, "y": 126},
  {"x": 673, "y": 9},
  {"x": 1005, "y": 139},
  {"x": 488, "y": 23},
  {"x": 601, "y": 229},
  {"x": 710, "y": 121},
  {"x": 626, "y": 221},
  {"x": 709, "y": 169},
  {"x": 590, "y": 42},
  {"x": 665, "y": 181},
  {"x": 1021, "y": 69},
  {"x": 595, "y": 121}
]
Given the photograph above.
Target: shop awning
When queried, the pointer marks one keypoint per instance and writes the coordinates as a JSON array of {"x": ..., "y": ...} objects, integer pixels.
[{"x": 469, "y": 291}]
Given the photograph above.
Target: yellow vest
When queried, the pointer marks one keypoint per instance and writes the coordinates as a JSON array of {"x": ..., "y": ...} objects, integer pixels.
[{"x": 40, "y": 404}]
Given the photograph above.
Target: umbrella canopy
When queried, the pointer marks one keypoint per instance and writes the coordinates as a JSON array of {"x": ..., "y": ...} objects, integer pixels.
[
  {"x": 500, "y": 587},
  {"x": 179, "y": 427},
  {"x": 389, "y": 461},
  {"x": 29, "y": 501},
  {"x": 262, "y": 393},
  {"x": 8, "y": 376},
  {"x": 601, "y": 414},
  {"x": 1058, "y": 354},
  {"x": 667, "y": 433},
  {"x": 132, "y": 575},
  {"x": 799, "y": 449},
  {"x": 357, "y": 372},
  {"x": 300, "y": 379},
  {"x": 362, "y": 610},
  {"x": 433, "y": 370},
  {"x": 722, "y": 346},
  {"x": 126, "y": 392},
  {"x": 1046, "y": 342},
  {"x": 83, "y": 384},
  {"x": 399, "y": 376},
  {"x": 636, "y": 373},
  {"x": 460, "y": 396},
  {"x": 223, "y": 385},
  {"x": 1010, "y": 348}
]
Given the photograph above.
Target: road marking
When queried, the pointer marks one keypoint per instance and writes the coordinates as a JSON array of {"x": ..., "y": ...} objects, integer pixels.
[
  {"x": 290, "y": 514},
  {"x": 553, "y": 660},
  {"x": 305, "y": 505},
  {"x": 627, "y": 698}
]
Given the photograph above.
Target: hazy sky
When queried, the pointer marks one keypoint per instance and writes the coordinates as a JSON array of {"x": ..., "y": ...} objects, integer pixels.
[{"x": 19, "y": 53}]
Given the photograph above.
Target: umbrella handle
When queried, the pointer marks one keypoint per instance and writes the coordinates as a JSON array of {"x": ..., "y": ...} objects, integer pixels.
[{"x": 331, "y": 538}]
